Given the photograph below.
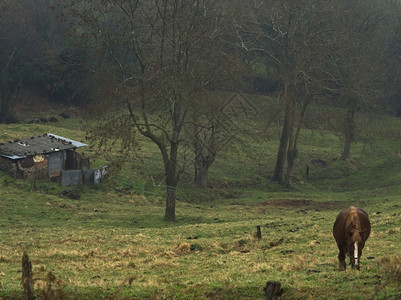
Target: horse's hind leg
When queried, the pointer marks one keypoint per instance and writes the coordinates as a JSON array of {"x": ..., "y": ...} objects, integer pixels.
[{"x": 341, "y": 260}]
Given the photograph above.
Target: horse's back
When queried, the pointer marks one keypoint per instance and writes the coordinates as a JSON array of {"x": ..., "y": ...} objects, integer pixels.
[{"x": 339, "y": 227}]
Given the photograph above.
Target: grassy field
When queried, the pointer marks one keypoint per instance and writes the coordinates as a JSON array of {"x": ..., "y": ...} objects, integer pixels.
[{"x": 112, "y": 243}]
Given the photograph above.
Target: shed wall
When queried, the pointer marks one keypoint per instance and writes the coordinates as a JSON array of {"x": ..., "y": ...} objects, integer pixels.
[{"x": 75, "y": 177}]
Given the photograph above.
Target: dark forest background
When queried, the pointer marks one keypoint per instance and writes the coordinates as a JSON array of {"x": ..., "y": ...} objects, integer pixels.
[{"x": 39, "y": 52}]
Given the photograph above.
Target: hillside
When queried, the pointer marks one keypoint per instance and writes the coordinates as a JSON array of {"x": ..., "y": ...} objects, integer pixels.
[{"x": 112, "y": 242}]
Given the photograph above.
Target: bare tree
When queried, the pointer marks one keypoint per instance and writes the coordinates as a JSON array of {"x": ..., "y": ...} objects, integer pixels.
[
  {"x": 223, "y": 121},
  {"x": 359, "y": 61},
  {"x": 293, "y": 37},
  {"x": 158, "y": 55},
  {"x": 319, "y": 50}
]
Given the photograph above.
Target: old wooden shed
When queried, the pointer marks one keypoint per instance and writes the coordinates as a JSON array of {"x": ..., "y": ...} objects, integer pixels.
[{"x": 41, "y": 156}]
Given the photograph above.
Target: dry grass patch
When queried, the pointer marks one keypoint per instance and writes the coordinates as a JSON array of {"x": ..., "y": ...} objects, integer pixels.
[
  {"x": 391, "y": 267},
  {"x": 183, "y": 248},
  {"x": 298, "y": 263},
  {"x": 262, "y": 267}
]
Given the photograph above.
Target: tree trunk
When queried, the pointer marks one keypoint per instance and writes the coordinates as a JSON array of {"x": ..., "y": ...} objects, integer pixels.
[
  {"x": 293, "y": 141},
  {"x": 349, "y": 132},
  {"x": 171, "y": 182},
  {"x": 291, "y": 154},
  {"x": 284, "y": 139},
  {"x": 205, "y": 154},
  {"x": 201, "y": 174},
  {"x": 171, "y": 195},
  {"x": 202, "y": 165}
]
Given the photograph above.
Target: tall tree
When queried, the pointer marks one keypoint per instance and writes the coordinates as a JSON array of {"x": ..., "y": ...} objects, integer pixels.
[
  {"x": 292, "y": 36},
  {"x": 319, "y": 48},
  {"x": 223, "y": 120},
  {"x": 158, "y": 56},
  {"x": 360, "y": 60}
]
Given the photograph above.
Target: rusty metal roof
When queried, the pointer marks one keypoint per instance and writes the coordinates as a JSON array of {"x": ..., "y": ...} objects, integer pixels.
[{"x": 37, "y": 145}]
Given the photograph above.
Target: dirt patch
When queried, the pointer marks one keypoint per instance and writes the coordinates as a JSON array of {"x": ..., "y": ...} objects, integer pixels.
[{"x": 301, "y": 203}]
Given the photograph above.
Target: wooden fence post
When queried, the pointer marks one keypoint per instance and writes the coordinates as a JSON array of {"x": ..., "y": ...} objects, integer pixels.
[
  {"x": 273, "y": 290},
  {"x": 258, "y": 232},
  {"x": 27, "y": 280}
]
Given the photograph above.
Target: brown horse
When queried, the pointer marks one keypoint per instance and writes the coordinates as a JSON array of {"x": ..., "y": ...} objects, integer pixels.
[{"x": 351, "y": 230}]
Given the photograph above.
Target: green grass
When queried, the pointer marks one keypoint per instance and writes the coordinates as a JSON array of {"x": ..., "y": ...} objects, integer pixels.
[{"x": 113, "y": 243}]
